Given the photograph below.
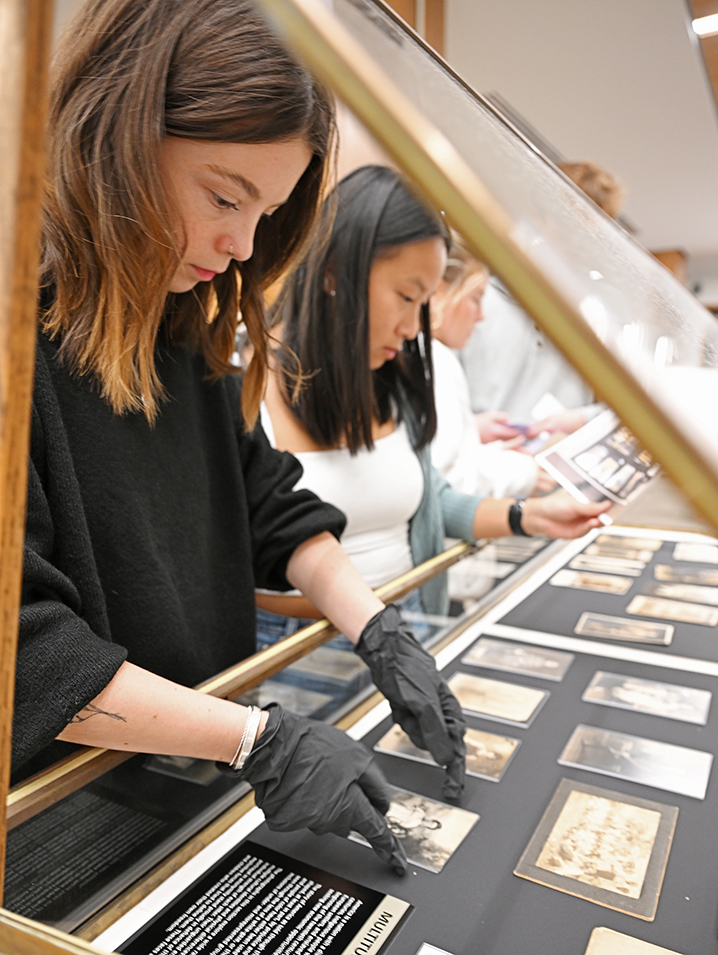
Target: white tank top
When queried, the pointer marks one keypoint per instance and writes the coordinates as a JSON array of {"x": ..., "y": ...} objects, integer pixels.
[{"x": 379, "y": 491}]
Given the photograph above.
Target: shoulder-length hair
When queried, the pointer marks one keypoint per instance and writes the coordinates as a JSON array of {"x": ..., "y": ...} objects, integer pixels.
[
  {"x": 130, "y": 73},
  {"x": 326, "y": 330}
]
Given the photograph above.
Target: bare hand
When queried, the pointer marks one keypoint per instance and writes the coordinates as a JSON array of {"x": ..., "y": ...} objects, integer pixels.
[
  {"x": 560, "y": 515},
  {"x": 494, "y": 426},
  {"x": 566, "y": 421},
  {"x": 544, "y": 483}
]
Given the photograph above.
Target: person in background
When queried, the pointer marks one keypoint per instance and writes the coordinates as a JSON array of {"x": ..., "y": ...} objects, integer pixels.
[
  {"x": 509, "y": 363},
  {"x": 457, "y": 451}
]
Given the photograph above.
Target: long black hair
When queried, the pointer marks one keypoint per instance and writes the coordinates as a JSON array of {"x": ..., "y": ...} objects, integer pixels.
[{"x": 326, "y": 329}]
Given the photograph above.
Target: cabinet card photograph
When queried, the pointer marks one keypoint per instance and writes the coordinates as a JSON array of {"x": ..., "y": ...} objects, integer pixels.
[
  {"x": 519, "y": 658},
  {"x": 518, "y": 548},
  {"x": 584, "y": 580},
  {"x": 620, "y": 628},
  {"x": 648, "y": 762},
  {"x": 643, "y": 556},
  {"x": 629, "y": 543},
  {"x": 429, "y": 831},
  {"x": 686, "y": 574},
  {"x": 496, "y": 700},
  {"x": 604, "y": 941},
  {"x": 697, "y": 553},
  {"x": 673, "y": 610},
  {"x": 602, "y": 846},
  {"x": 649, "y": 696},
  {"x": 487, "y": 755},
  {"x": 688, "y": 592},
  {"x": 607, "y": 565}
]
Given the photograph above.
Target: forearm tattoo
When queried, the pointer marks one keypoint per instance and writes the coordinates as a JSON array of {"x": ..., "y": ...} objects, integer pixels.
[{"x": 87, "y": 712}]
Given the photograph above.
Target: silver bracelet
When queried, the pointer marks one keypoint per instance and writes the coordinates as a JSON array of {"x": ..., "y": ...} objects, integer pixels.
[{"x": 249, "y": 738}]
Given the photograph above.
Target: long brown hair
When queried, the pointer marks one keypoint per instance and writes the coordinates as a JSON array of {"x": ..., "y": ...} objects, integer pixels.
[{"x": 129, "y": 73}]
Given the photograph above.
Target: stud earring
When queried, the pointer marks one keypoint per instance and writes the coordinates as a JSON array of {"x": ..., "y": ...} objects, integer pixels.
[{"x": 231, "y": 250}]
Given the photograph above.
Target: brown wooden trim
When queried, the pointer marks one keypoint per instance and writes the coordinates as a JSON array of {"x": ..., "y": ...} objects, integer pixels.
[
  {"x": 434, "y": 24},
  {"x": 24, "y": 55},
  {"x": 675, "y": 260},
  {"x": 406, "y": 10}
]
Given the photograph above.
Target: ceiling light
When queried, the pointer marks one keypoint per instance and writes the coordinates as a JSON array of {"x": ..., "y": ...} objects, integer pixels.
[{"x": 706, "y": 26}]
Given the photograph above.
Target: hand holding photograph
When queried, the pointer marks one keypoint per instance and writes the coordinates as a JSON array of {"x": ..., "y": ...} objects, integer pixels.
[
  {"x": 496, "y": 700},
  {"x": 583, "y": 580},
  {"x": 519, "y": 658},
  {"x": 604, "y": 941},
  {"x": 602, "y": 846},
  {"x": 648, "y": 762},
  {"x": 620, "y": 628},
  {"x": 673, "y": 610},
  {"x": 429, "y": 831},
  {"x": 487, "y": 755},
  {"x": 649, "y": 696}
]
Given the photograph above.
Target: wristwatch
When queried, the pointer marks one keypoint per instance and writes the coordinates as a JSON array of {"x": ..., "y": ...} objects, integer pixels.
[{"x": 516, "y": 511}]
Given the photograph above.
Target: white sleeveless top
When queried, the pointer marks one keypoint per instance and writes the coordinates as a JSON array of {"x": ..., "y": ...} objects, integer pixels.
[{"x": 378, "y": 490}]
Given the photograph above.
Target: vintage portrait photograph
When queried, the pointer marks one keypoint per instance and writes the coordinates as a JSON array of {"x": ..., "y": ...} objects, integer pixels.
[
  {"x": 649, "y": 762},
  {"x": 496, "y": 700},
  {"x": 687, "y": 592},
  {"x": 621, "y": 628},
  {"x": 649, "y": 696},
  {"x": 696, "y": 553},
  {"x": 641, "y": 555},
  {"x": 487, "y": 754},
  {"x": 604, "y": 941},
  {"x": 429, "y": 831},
  {"x": 584, "y": 580},
  {"x": 629, "y": 543},
  {"x": 602, "y": 846},
  {"x": 686, "y": 574},
  {"x": 519, "y": 658},
  {"x": 607, "y": 565},
  {"x": 673, "y": 610}
]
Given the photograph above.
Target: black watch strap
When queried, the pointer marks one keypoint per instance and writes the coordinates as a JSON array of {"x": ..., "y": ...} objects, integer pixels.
[{"x": 516, "y": 511}]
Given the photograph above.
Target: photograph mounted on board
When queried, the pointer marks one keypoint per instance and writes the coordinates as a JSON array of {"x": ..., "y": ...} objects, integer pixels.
[
  {"x": 519, "y": 658},
  {"x": 496, "y": 700},
  {"x": 649, "y": 696}
]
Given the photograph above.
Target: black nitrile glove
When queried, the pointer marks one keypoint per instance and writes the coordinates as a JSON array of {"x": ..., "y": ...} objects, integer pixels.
[
  {"x": 421, "y": 702},
  {"x": 309, "y": 774}
]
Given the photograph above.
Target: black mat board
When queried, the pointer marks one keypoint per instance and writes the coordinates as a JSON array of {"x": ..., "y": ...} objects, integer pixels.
[
  {"x": 476, "y": 904},
  {"x": 557, "y": 610}
]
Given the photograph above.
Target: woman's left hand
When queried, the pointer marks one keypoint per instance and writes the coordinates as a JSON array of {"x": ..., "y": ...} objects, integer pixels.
[{"x": 560, "y": 515}]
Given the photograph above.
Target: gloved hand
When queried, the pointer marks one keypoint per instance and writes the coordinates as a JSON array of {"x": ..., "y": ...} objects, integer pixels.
[
  {"x": 421, "y": 702},
  {"x": 309, "y": 774}
]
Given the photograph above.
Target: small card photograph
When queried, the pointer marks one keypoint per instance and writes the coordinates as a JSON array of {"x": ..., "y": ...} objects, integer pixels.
[
  {"x": 620, "y": 628},
  {"x": 518, "y": 549},
  {"x": 625, "y": 553},
  {"x": 686, "y": 574},
  {"x": 604, "y": 941},
  {"x": 648, "y": 762},
  {"x": 649, "y": 696},
  {"x": 607, "y": 565},
  {"x": 673, "y": 610},
  {"x": 519, "y": 658},
  {"x": 584, "y": 580},
  {"x": 602, "y": 846},
  {"x": 487, "y": 755},
  {"x": 696, "y": 553},
  {"x": 629, "y": 543},
  {"x": 689, "y": 592},
  {"x": 496, "y": 700},
  {"x": 429, "y": 831}
]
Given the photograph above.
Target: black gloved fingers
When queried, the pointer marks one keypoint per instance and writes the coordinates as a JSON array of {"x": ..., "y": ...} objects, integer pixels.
[
  {"x": 454, "y": 780},
  {"x": 375, "y": 788},
  {"x": 373, "y": 826}
]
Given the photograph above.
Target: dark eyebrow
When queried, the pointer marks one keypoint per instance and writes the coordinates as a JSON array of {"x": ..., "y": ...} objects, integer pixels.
[{"x": 235, "y": 177}]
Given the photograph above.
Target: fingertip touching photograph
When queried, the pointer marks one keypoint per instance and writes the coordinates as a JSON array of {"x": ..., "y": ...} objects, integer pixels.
[{"x": 358, "y": 477}]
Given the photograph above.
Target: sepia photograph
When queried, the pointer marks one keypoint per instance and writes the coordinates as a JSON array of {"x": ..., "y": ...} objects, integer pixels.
[
  {"x": 673, "y": 610},
  {"x": 686, "y": 574},
  {"x": 648, "y": 762},
  {"x": 688, "y": 592},
  {"x": 602, "y": 846},
  {"x": 429, "y": 831},
  {"x": 496, "y": 700},
  {"x": 629, "y": 543},
  {"x": 519, "y": 658},
  {"x": 583, "y": 580},
  {"x": 668, "y": 700},
  {"x": 620, "y": 628},
  {"x": 607, "y": 565},
  {"x": 604, "y": 941},
  {"x": 518, "y": 549},
  {"x": 487, "y": 754},
  {"x": 643, "y": 556},
  {"x": 696, "y": 553}
]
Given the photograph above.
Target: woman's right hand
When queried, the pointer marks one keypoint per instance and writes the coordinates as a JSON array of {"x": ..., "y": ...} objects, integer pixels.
[
  {"x": 307, "y": 774},
  {"x": 494, "y": 426},
  {"x": 560, "y": 515}
]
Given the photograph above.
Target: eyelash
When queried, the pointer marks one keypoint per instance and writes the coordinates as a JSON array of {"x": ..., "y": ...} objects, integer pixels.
[{"x": 225, "y": 203}]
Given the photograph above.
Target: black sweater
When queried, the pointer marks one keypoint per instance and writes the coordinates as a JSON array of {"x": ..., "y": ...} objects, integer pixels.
[{"x": 146, "y": 542}]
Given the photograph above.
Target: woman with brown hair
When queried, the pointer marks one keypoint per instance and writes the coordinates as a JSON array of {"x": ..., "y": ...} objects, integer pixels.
[{"x": 188, "y": 153}]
